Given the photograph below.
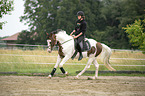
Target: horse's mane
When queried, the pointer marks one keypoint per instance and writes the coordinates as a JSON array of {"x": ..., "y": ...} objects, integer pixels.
[{"x": 62, "y": 32}]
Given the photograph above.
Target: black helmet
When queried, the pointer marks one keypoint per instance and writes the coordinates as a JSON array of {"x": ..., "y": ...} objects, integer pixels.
[{"x": 80, "y": 13}]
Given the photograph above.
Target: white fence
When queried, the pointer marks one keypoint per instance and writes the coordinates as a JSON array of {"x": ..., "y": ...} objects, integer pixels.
[
  {"x": 66, "y": 63},
  {"x": 27, "y": 46}
]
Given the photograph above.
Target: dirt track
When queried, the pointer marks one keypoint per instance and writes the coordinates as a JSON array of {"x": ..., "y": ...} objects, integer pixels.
[{"x": 67, "y": 86}]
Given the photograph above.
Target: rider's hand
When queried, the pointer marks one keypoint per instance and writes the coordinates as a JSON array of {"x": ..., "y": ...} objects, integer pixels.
[
  {"x": 75, "y": 36},
  {"x": 71, "y": 35},
  {"x": 72, "y": 32}
]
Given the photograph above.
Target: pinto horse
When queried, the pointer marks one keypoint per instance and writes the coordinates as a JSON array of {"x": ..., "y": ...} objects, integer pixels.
[{"x": 66, "y": 50}]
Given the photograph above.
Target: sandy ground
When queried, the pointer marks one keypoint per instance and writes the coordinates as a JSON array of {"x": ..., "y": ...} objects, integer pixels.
[{"x": 67, "y": 86}]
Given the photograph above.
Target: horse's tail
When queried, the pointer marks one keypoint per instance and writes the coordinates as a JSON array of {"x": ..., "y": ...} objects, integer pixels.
[{"x": 106, "y": 53}]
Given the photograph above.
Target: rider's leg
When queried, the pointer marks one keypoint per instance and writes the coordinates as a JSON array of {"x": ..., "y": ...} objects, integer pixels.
[
  {"x": 80, "y": 51},
  {"x": 76, "y": 50},
  {"x": 74, "y": 55}
]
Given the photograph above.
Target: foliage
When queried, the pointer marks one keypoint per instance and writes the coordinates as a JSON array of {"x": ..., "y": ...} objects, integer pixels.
[
  {"x": 1, "y": 41},
  {"x": 3, "y": 38},
  {"x": 136, "y": 33},
  {"x": 105, "y": 18},
  {"x": 6, "y": 6},
  {"x": 26, "y": 37},
  {"x": 117, "y": 14}
]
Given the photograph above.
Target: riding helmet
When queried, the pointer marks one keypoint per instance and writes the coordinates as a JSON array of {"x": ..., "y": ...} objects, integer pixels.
[{"x": 80, "y": 13}]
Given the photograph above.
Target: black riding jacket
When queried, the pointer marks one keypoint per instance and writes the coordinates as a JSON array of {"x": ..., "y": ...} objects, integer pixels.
[{"x": 80, "y": 26}]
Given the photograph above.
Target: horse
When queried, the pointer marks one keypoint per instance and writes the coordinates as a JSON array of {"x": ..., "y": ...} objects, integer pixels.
[{"x": 67, "y": 49}]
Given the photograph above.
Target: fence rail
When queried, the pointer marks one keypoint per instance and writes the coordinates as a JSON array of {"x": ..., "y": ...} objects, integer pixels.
[
  {"x": 17, "y": 46},
  {"x": 65, "y": 64},
  {"x": 56, "y": 56},
  {"x": 45, "y": 46}
]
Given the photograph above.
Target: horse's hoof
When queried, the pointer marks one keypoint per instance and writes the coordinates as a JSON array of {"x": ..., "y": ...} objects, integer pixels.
[
  {"x": 49, "y": 76},
  {"x": 66, "y": 73},
  {"x": 76, "y": 77},
  {"x": 91, "y": 78}
]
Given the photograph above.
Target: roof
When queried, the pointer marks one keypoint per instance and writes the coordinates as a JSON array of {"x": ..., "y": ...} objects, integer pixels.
[{"x": 13, "y": 37}]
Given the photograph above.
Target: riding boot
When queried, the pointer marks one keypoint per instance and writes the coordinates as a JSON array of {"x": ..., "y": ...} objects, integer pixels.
[
  {"x": 80, "y": 57},
  {"x": 80, "y": 52},
  {"x": 74, "y": 55}
]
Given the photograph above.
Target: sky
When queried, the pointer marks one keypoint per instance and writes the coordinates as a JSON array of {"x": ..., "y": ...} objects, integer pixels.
[{"x": 13, "y": 24}]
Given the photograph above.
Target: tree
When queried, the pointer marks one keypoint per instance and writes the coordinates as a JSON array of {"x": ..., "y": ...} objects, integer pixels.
[
  {"x": 24, "y": 37},
  {"x": 48, "y": 15},
  {"x": 6, "y": 6},
  {"x": 136, "y": 33},
  {"x": 105, "y": 18},
  {"x": 41, "y": 17},
  {"x": 117, "y": 14}
]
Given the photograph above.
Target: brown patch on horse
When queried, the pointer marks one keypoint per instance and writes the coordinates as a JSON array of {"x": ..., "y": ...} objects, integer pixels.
[
  {"x": 91, "y": 51},
  {"x": 99, "y": 49},
  {"x": 61, "y": 54},
  {"x": 53, "y": 40}
]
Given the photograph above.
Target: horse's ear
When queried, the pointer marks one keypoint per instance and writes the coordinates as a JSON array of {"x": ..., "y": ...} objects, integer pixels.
[
  {"x": 54, "y": 32},
  {"x": 47, "y": 33},
  {"x": 58, "y": 30}
]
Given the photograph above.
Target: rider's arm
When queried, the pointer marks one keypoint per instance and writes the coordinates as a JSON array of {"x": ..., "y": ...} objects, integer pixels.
[
  {"x": 78, "y": 35},
  {"x": 82, "y": 30},
  {"x": 72, "y": 32}
]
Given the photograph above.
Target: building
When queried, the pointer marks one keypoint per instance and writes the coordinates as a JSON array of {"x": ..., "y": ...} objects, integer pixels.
[{"x": 11, "y": 39}]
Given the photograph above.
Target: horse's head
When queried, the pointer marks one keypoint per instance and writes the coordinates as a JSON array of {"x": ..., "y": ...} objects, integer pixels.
[
  {"x": 51, "y": 41},
  {"x": 51, "y": 38}
]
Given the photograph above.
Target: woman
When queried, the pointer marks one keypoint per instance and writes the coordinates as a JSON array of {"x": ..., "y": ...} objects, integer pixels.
[{"x": 79, "y": 32}]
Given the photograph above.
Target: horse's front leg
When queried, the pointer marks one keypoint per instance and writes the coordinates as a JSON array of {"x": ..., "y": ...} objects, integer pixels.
[
  {"x": 86, "y": 67},
  {"x": 56, "y": 65},
  {"x": 61, "y": 64}
]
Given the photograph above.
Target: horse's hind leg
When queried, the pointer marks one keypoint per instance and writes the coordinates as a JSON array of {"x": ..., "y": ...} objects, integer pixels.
[
  {"x": 96, "y": 72},
  {"x": 97, "y": 68},
  {"x": 86, "y": 67}
]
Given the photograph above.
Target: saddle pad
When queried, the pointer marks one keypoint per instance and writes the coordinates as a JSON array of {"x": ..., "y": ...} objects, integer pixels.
[{"x": 86, "y": 46}]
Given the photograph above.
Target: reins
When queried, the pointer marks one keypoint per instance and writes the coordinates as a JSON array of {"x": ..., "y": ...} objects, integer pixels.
[{"x": 66, "y": 41}]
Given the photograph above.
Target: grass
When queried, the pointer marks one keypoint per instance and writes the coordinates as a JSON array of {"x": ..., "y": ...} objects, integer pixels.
[{"x": 29, "y": 64}]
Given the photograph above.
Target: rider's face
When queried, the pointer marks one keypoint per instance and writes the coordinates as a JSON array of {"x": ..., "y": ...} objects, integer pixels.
[{"x": 79, "y": 17}]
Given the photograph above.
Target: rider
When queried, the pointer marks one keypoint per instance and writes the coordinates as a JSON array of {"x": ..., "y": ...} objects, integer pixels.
[{"x": 80, "y": 29}]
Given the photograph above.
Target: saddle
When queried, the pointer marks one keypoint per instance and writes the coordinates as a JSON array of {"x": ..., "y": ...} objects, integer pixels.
[{"x": 85, "y": 45}]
